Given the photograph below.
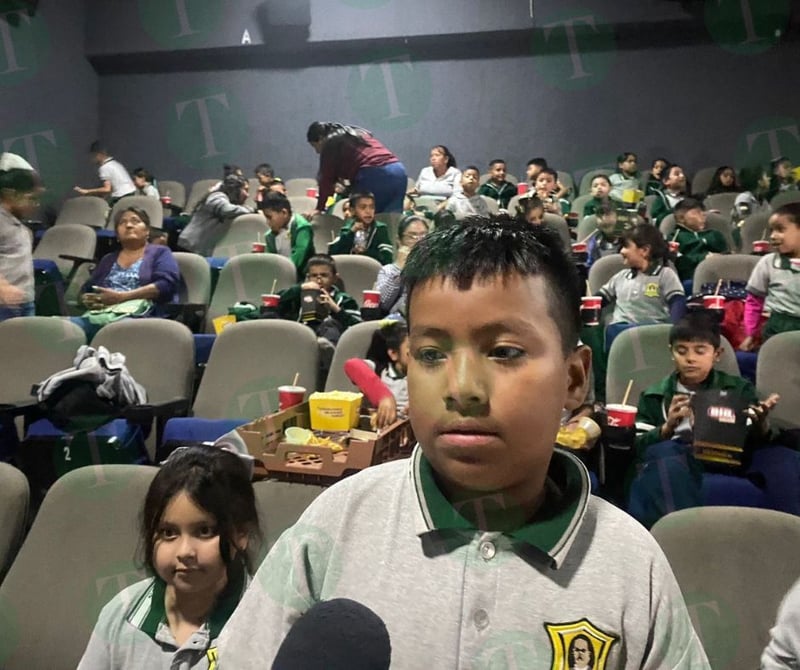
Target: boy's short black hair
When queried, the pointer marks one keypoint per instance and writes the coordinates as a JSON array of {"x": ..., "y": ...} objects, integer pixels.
[
  {"x": 685, "y": 205},
  {"x": 361, "y": 196},
  {"x": 98, "y": 147},
  {"x": 667, "y": 169},
  {"x": 550, "y": 171},
  {"x": 482, "y": 248},
  {"x": 600, "y": 176},
  {"x": 471, "y": 167},
  {"x": 276, "y": 202},
  {"x": 791, "y": 210},
  {"x": 495, "y": 161},
  {"x": 538, "y": 162},
  {"x": 531, "y": 203},
  {"x": 264, "y": 169},
  {"x": 605, "y": 209},
  {"x": 621, "y": 158},
  {"x": 144, "y": 174},
  {"x": 322, "y": 259},
  {"x": 696, "y": 326}
]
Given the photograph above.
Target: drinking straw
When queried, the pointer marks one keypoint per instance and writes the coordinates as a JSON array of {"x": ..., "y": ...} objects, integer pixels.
[
  {"x": 719, "y": 286},
  {"x": 274, "y": 284},
  {"x": 588, "y": 289},
  {"x": 296, "y": 378},
  {"x": 627, "y": 392},
  {"x": 675, "y": 236}
]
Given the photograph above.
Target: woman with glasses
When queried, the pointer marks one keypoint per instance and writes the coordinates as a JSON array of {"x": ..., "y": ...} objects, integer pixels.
[{"x": 393, "y": 298}]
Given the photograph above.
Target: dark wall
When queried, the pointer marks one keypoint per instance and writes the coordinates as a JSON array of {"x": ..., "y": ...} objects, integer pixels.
[
  {"x": 702, "y": 82},
  {"x": 48, "y": 90}
]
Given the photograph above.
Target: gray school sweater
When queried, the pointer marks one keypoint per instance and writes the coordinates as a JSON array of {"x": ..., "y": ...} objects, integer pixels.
[{"x": 456, "y": 597}]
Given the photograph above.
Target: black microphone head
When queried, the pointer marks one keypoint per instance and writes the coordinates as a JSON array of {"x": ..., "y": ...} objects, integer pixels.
[{"x": 338, "y": 634}]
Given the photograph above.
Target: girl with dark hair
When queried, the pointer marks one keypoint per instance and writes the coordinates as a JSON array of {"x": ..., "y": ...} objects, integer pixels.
[
  {"x": 393, "y": 297},
  {"x": 441, "y": 178},
  {"x": 724, "y": 181},
  {"x": 197, "y": 528},
  {"x": 352, "y": 153},
  {"x": 213, "y": 215}
]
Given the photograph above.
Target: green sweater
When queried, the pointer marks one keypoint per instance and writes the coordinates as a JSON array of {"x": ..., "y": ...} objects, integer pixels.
[
  {"x": 695, "y": 245},
  {"x": 348, "y": 315},
  {"x": 502, "y": 193},
  {"x": 655, "y": 400},
  {"x": 379, "y": 246},
  {"x": 301, "y": 237}
]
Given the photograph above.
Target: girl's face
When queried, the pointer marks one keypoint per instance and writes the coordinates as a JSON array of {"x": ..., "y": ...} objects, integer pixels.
[
  {"x": 186, "y": 554},
  {"x": 726, "y": 178},
  {"x": 783, "y": 169},
  {"x": 784, "y": 235},
  {"x": 763, "y": 182},
  {"x": 535, "y": 216},
  {"x": 629, "y": 165},
  {"x": 438, "y": 159},
  {"x": 400, "y": 357},
  {"x": 413, "y": 233},
  {"x": 635, "y": 257},
  {"x": 657, "y": 169}
]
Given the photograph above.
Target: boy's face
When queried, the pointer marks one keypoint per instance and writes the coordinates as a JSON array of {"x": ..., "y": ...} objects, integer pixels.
[
  {"x": 531, "y": 172},
  {"x": 263, "y": 178},
  {"x": 321, "y": 274},
  {"x": 629, "y": 165},
  {"x": 469, "y": 181},
  {"x": 676, "y": 180},
  {"x": 497, "y": 171},
  {"x": 693, "y": 219},
  {"x": 545, "y": 182},
  {"x": 535, "y": 216},
  {"x": 600, "y": 188},
  {"x": 471, "y": 383},
  {"x": 364, "y": 211},
  {"x": 139, "y": 182},
  {"x": 784, "y": 235},
  {"x": 694, "y": 360},
  {"x": 277, "y": 220}
]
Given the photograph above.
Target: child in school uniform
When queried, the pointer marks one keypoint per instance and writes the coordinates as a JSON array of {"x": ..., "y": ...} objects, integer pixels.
[
  {"x": 781, "y": 179},
  {"x": 486, "y": 538},
  {"x": 497, "y": 187},
  {"x": 600, "y": 188},
  {"x": 143, "y": 180},
  {"x": 648, "y": 291},
  {"x": 654, "y": 186},
  {"x": 290, "y": 235},
  {"x": 363, "y": 234},
  {"x": 607, "y": 239},
  {"x": 774, "y": 284},
  {"x": 696, "y": 241},
  {"x": 673, "y": 191},
  {"x": 198, "y": 526},
  {"x": 548, "y": 191},
  {"x": 625, "y": 177},
  {"x": 467, "y": 202},
  {"x": 670, "y": 477}
]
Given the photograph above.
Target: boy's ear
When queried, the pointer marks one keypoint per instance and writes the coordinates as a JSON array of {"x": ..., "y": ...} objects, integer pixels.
[
  {"x": 717, "y": 353},
  {"x": 579, "y": 365}
]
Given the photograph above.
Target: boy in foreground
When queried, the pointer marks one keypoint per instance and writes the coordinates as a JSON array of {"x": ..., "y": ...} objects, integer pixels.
[{"x": 486, "y": 543}]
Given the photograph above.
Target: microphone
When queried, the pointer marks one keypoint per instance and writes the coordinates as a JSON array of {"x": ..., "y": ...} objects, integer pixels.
[{"x": 338, "y": 634}]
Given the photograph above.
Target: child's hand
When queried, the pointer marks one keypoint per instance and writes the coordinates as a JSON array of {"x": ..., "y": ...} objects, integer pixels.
[
  {"x": 402, "y": 255},
  {"x": 357, "y": 226},
  {"x": 81, "y": 191},
  {"x": 11, "y": 295},
  {"x": 747, "y": 344},
  {"x": 760, "y": 411},
  {"x": 387, "y": 412},
  {"x": 325, "y": 299},
  {"x": 679, "y": 409}
]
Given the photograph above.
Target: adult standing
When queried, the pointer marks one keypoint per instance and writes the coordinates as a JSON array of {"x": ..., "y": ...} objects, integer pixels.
[
  {"x": 352, "y": 153},
  {"x": 115, "y": 181},
  {"x": 19, "y": 193}
]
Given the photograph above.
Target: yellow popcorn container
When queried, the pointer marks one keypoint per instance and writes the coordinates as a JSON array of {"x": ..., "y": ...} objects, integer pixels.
[{"x": 335, "y": 410}]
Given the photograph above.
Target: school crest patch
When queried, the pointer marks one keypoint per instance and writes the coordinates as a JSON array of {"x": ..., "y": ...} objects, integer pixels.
[
  {"x": 651, "y": 290},
  {"x": 579, "y": 644}
]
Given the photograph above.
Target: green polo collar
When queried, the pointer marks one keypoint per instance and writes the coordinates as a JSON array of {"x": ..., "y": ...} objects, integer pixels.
[
  {"x": 554, "y": 526},
  {"x": 652, "y": 270},
  {"x": 148, "y": 612},
  {"x": 784, "y": 263}
]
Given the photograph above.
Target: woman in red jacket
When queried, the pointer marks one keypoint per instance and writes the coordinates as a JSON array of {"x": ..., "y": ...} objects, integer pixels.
[{"x": 352, "y": 153}]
